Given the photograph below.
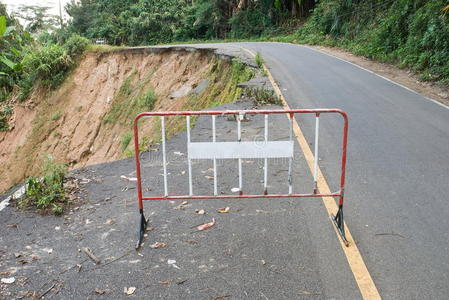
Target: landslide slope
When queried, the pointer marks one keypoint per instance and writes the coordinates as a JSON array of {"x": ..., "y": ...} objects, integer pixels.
[{"x": 88, "y": 120}]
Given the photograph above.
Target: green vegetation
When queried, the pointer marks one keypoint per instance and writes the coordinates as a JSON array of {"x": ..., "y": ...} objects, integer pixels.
[
  {"x": 259, "y": 60},
  {"x": 5, "y": 112},
  {"x": 410, "y": 33},
  {"x": 56, "y": 116},
  {"x": 126, "y": 139},
  {"x": 46, "y": 192},
  {"x": 264, "y": 96},
  {"x": 133, "y": 97},
  {"x": 32, "y": 57},
  {"x": 163, "y": 21}
]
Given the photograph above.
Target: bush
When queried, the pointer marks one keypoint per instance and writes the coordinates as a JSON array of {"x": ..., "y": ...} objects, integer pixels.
[
  {"x": 148, "y": 100},
  {"x": 412, "y": 34},
  {"x": 5, "y": 112},
  {"x": 48, "y": 191},
  {"x": 76, "y": 45},
  {"x": 47, "y": 65}
]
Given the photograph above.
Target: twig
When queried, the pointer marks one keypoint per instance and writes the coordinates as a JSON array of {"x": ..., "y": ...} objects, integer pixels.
[
  {"x": 62, "y": 272},
  {"x": 390, "y": 233},
  {"x": 91, "y": 255},
  {"x": 120, "y": 257},
  {"x": 47, "y": 291}
]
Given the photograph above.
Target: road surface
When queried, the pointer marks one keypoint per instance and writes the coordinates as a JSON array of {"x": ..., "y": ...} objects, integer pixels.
[{"x": 398, "y": 178}]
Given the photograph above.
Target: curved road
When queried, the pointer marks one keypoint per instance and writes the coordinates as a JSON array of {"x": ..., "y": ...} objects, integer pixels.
[
  {"x": 397, "y": 193},
  {"x": 398, "y": 178}
]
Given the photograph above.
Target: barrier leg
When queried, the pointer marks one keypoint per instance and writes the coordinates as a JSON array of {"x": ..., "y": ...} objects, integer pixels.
[
  {"x": 340, "y": 224},
  {"x": 142, "y": 228}
]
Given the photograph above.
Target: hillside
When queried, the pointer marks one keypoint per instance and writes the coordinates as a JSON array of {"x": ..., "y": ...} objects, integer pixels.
[{"x": 88, "y": 119}]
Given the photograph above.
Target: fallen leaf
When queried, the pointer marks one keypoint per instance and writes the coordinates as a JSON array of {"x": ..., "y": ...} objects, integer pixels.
[
  {"x": 100, "y": 292},
  {"x": 223, "y": 210},
  {"x": 22, "y": 280},
  {"x": 130, "y": 290},
  {"x": 206, "y": 226},
  {"x": 158, "y": 245},
  {"x": 221, "y": 297},
  {"x": 109, "y": 222},
  {"x": 192, "y": 242},
  {"x": 259, "y": 211},
  {"x": 182, "y": 206},
  {"x": 173, "y": 263},
  {"x": 128, "y": 178},
  {"x": 17, "y": 255},
  {"x": 209, "y": 177},
  {"x": 165, "y": 282},
  {"x": 28, "y": 294},
  {"x": 8, "y": 280},
  {"x": 263, "y": 262},
  {"x": 200, "y": 211},
  {"x": 22, "y": 261}
]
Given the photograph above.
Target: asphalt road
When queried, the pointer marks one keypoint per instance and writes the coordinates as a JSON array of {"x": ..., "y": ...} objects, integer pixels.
[{"x": 398, "y": 179}]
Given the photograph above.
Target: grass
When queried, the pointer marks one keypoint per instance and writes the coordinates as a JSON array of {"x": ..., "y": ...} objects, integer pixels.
[
  {"x": 103, "y": 48},
  {"x": 56, "y": 116},
  {"x": 259, "y": 60},
  {"x": 264, "y": 96},
  {"x": 126, "y": 139}
]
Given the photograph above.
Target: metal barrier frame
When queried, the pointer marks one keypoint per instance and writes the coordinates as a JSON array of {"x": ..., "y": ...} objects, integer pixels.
[{"x": 337, "y": 219}]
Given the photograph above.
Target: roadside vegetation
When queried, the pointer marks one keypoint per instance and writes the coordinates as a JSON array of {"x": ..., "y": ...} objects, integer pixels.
[
  {"x": 408, "y": 33},
  {"x": 31, "y": 58},
  {"x": 46, "y": 193}
]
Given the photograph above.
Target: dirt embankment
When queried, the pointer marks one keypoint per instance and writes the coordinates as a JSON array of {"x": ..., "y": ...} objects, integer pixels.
[{"x": 88, "y": 120}]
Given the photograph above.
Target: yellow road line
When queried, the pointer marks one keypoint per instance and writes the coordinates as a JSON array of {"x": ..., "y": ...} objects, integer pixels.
[{"x": 361, "y": 274}]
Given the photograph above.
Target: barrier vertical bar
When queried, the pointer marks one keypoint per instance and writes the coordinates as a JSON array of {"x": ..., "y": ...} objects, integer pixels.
[
  {"x": 315, "y": 168},
  {"x": 143, "y": 221},
  {"x": 239, "y": 139},
  {"x": 290, "y": 188},
  {"x": 164, "y": 158},
  {"x": 339, "y": 218},
  {"x": 215, "y": 160},
  {"x": 265, "y": 169},
  {"x": 189, "y": 162}
]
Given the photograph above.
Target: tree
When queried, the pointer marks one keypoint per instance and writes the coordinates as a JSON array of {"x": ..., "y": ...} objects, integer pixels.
[{"x": 37, "y": 18}]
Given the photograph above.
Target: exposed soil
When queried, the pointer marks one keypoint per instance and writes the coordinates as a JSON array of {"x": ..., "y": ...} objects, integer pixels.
[
  {"x": 401, "y": 76},
  {"x": 70, "y": 123}
]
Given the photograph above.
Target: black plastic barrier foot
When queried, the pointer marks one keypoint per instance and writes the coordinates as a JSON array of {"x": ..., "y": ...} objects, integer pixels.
[
  {"x": 340, "y": 225},
  {"x": 143, "y": 226}
]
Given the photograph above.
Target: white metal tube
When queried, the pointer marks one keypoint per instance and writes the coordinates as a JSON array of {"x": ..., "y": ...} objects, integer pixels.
[
  {"x": 317, "y": 132},
  {"x": 290, "y": 188},
  {"x": 188, "y": 159},
  {"x": 265, "y": 169},
  {"x": 215, "y": 160},
  {"x": 164, "y": 159},
  {"x": 239, "y": 138}
]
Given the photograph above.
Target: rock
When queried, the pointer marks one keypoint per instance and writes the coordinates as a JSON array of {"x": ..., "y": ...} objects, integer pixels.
[
  {"x": 257, "y": 83},
  {"x": 183, "y": 91},
  {"x": 200, "y": 87}
]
